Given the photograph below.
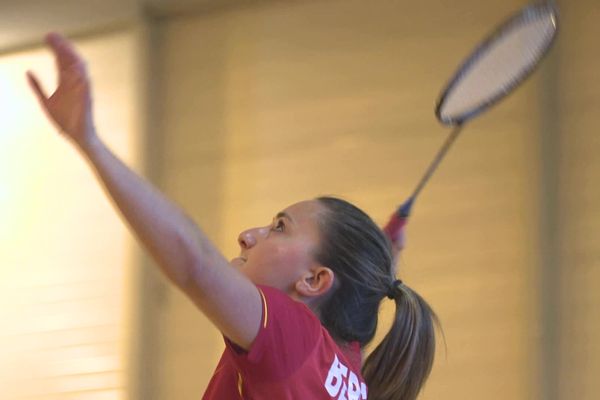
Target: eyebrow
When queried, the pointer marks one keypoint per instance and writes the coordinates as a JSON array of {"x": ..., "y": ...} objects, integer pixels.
[{"x": 282, "y": 214}]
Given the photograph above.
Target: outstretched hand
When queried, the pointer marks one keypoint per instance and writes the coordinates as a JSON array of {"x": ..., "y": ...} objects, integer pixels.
[{"x": 70, "y": 106}]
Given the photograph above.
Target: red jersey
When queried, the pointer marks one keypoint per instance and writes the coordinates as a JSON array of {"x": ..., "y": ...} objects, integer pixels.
[{"x": 293, "y": 357}]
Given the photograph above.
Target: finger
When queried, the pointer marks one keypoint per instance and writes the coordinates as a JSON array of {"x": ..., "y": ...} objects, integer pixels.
[
  {"x": 63, "y": 50},
  {"x": 37, "y": 88}
]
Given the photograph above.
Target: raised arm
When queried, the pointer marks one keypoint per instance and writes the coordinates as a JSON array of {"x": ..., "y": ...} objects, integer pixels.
[{"x": 183, "y": 252}]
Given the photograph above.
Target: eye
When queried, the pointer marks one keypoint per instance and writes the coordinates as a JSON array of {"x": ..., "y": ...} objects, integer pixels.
[{"x": 278, "y": 226}]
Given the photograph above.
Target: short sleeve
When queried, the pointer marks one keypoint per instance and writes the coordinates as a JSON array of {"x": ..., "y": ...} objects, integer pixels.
[{"x": 288, "y": 333}]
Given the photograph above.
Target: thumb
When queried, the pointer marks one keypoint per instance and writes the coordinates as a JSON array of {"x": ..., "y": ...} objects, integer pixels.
[{"x": 37, "y": 88}]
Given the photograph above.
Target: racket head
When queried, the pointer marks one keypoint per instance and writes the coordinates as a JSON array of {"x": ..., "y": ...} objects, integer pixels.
[{"x": 499, "y": 64}]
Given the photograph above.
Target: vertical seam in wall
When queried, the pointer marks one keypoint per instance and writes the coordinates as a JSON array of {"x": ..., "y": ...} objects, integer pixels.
[
  {"x": 145, "y": 380},
  {"x": 549, "y": 233}
]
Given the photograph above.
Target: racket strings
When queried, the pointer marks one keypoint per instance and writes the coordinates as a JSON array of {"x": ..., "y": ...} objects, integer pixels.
[{"x": 500, "y": 64}]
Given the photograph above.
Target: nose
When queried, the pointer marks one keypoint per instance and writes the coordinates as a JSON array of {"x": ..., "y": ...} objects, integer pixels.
[
  {"x": 250, "y": 237},
  {"x": 246, "y": 239}
]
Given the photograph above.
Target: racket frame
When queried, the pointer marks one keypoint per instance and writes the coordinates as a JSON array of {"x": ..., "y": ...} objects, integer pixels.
[{"x": 517, "y": 19}]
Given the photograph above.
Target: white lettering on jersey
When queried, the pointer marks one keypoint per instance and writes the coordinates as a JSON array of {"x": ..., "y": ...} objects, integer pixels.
[
  {"x": 335, "y": 376},
  {"x": 347, "y": 386},
  {"x": 353, "y": 387}
]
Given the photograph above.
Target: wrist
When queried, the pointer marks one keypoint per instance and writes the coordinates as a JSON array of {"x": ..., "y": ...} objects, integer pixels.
[{"x": 90, "y": 144}]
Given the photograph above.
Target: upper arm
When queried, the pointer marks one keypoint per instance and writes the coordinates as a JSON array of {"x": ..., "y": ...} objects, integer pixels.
[{"x": 228, "y": 298}]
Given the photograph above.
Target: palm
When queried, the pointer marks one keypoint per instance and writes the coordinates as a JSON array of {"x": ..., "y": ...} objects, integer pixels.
[{"x": 70, "y": 104}]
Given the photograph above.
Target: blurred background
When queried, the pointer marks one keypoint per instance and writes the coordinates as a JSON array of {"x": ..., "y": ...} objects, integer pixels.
[{"x": 238, "y": 108}]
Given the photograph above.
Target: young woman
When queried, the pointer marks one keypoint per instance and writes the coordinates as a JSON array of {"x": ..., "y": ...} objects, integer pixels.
[{"x": 298, "y": 304}]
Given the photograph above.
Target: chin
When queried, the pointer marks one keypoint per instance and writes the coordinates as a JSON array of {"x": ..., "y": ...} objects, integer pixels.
[{"x": 237, "y": 263}]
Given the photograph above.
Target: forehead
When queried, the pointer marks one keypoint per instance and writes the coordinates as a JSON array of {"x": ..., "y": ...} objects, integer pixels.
[{"x": 305, "y": 212}]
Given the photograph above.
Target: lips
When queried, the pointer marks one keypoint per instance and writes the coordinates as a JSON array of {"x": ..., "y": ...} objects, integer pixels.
[{"x": 239, "y": 260}]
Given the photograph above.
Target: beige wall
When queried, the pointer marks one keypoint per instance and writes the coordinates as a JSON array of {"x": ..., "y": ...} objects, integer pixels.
[
  {"x": 65, "y": 257},
  {"x": 579, "y": 216}
]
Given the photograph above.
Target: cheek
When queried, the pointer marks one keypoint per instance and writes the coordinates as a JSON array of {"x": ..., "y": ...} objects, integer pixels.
[
  {"x": 280, "y": 262},
  {"x": 291, "y": 257}
]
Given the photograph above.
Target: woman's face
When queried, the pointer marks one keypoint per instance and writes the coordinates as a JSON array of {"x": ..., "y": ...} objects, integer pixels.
[{"x": 282, "y": 252}]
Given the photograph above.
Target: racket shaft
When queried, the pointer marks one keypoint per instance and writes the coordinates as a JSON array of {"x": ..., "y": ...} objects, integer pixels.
[{"x": 436, "y": 161}]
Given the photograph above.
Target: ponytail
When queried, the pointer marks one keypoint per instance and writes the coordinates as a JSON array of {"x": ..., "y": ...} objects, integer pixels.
[
  {"x": 399, "y": 366},
  {"x": 359, "y": 254}
]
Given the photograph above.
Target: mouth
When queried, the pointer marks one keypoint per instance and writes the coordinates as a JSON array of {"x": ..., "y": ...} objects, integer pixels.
[{"x": 239, "y": 260}]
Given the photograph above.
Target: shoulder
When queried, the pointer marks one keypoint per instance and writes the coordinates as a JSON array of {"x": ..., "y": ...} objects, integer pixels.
[{"x": 289, "y": 333}]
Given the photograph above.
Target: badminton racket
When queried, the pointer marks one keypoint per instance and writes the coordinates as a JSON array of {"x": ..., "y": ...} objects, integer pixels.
[{"x": 497, "y": 66}]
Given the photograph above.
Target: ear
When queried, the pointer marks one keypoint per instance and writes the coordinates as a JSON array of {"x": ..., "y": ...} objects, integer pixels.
[{"x": 315, "y": 282}]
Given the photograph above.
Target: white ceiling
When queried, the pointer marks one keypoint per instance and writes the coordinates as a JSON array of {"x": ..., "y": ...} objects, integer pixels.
[{"x": 23, "y": 23}]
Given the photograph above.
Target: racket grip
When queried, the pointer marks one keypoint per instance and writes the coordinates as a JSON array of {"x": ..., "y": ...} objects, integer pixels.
[{"x": 394, "y": 229}]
